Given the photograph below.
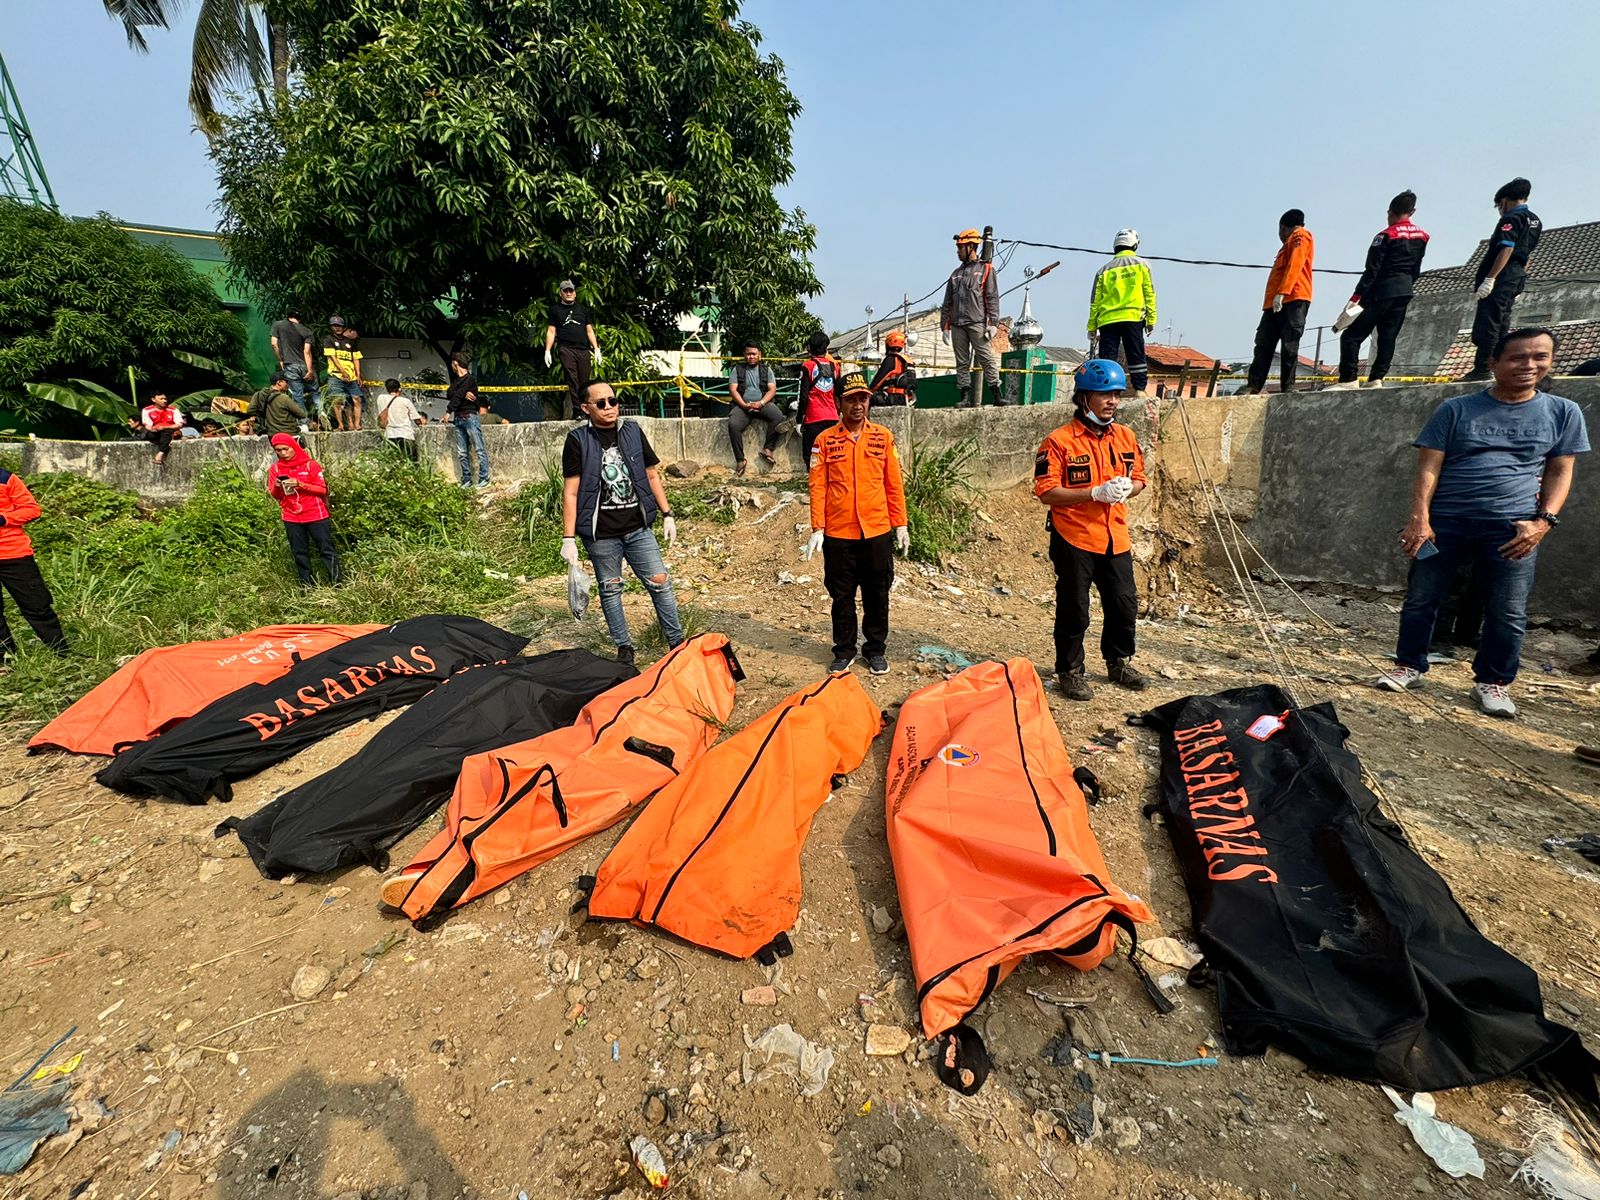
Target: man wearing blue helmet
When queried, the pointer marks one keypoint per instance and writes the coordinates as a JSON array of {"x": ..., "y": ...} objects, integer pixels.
[{"x": 1085, "y": 473}]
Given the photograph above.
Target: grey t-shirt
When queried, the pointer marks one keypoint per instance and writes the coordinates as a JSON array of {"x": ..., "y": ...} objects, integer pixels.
[
  {"x": 1494, "y": 453},
  {"x": 756, "y": 379}
]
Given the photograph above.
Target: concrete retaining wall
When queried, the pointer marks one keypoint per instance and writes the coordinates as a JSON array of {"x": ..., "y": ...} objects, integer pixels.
[
  {"x": 1009, "y": 437},
  {"x": 1335, "y": 490}
]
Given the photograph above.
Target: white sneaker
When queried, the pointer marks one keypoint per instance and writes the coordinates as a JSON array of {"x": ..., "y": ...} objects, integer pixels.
[
  {"x": 1373, "y": 383},
  {"x": 1342, "y": 387},
  {"x": 1494, "y": 699},
  {"x": 1400, "y": 679}
]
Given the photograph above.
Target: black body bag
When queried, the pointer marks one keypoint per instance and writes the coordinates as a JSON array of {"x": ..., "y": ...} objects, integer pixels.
[
  {"x": 356, "y": 811},
  {"x": 264, "y": 723},
  {"x": 1327, "y": 936}
]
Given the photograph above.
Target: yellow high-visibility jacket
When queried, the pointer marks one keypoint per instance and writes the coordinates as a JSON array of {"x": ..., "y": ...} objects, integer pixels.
[{"x": 1122, "y": 291}]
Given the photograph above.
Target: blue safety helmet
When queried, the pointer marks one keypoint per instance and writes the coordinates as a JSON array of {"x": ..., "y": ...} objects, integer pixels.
[{"x": 1101, "y": 375}]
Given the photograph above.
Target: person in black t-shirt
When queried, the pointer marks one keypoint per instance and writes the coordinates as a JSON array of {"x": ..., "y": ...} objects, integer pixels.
[
  {"x": 1502, "y": 271},
  {"x": 461, "y": 408},
  {"x": 612, "y": 496},
  {"x": 570, "y": 331},
  {"x": 291, "y": 343}
]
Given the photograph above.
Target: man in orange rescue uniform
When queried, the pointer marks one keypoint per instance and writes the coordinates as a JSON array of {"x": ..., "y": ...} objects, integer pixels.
[
  {"x": 1285, "y": 305},
  {"x": 1086, "y": 472},
  {"x": 858, "y": 518}
]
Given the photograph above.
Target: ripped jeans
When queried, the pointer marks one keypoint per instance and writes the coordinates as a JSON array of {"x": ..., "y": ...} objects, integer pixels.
[{"x": 644, "y": 556}]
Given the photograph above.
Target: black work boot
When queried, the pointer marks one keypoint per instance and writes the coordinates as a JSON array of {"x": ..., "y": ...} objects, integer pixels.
[
  {"x": 966, "y": 399},
  {"x": 625, "y": 655},
  {"x": 1074, "y": 686},
  {"x": 1121, "y": 672}
]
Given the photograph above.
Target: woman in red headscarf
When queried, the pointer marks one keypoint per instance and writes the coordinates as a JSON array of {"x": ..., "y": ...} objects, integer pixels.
[{"x": 295, "y": 481}]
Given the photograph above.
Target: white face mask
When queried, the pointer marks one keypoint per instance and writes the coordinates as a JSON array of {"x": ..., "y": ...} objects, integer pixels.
[{"x": 1089, "y": 416}]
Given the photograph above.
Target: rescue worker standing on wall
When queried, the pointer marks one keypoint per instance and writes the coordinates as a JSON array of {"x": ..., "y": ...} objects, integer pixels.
[
  {"x": 895, "y": 384},
  {"x": 1122, "y": 308},
  {"x": 1502, "y": 272},
  {"x": 970, "y": 315},
  {"x": 858, "y": 520},
  {"x": 1086, "y": 472},
  {"x": 1288, "y": 299},
  {"x": 1394, "y": 260}
]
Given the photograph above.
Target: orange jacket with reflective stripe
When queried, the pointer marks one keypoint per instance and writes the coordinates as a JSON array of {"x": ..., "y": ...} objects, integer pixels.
[
  {"x": 18, "y": 507},
  {"x": 1291, "y": 270},
  {"x": 1076, "y": 456},
  {"x": 856, "y": 488}
]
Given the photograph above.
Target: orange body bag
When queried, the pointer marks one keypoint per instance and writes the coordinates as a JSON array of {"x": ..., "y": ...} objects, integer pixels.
[
  {"x": 993, "y": 855},
  {"x": 521, "y": 805},
  {"x": 715, "y": 858}
]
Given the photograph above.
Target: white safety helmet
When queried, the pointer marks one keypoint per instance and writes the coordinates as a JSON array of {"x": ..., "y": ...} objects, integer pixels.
[{"x": 1126, "y": 239}]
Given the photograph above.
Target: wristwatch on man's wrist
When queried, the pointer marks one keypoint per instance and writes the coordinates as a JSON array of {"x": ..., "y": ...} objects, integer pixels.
[{"x": 1549, "y": 518}]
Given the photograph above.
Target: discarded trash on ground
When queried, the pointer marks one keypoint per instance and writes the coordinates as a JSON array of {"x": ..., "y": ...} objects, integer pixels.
[
  {"x": 647, "y": 1157},
  {"x": 782, "y": 1051},
  {"x": 1586, "y": 844},
  {"x": 1450, "y": 1147},
  {"x": 31, "y": 1112}
]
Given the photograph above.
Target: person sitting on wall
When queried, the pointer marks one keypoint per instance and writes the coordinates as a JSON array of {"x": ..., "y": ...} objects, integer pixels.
[
  {"x": 274, "y": 410},
  {"x": 161, "y": 423},
  {"x": 752, "y": 388},
  {"x": 1085, "y": 473},
  {"x": 1493, "y": 472}
]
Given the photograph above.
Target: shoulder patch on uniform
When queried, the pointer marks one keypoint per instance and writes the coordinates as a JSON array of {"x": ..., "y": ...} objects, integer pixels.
[{"x": 1041, "y": 464}]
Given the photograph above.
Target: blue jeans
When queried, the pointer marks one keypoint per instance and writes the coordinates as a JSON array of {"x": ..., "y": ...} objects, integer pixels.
[
  {"x": 1503, "y": 585},
  {"x": 470, "y": 431},
  {"x": 302, "y": 387},
  {"x": 644, "y": 556}
]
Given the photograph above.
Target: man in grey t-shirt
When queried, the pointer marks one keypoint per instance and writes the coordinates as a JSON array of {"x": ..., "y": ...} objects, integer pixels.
[
  {"x": 291, "y": 343},
  {"x": 751, "y": 390},
  {"x": 1493, "y": 472}
]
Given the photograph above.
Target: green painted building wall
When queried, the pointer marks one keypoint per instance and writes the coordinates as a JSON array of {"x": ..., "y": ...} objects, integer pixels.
[{"x": 203, "y": 251}]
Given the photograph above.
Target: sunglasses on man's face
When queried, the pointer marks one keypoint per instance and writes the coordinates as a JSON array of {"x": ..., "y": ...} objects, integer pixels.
[{"x": 605, "y": 402}]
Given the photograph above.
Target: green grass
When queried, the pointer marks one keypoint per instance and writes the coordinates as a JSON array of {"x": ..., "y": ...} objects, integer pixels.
[
  {"x": 940, "y": 501},
  {"x": 126, "y": 577}
]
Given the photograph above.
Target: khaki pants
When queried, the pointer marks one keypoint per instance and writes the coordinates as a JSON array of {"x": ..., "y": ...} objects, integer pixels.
[{"x": 968, "y": 342}]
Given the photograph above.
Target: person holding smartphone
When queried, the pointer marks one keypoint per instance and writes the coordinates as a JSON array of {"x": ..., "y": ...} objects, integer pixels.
[{"x": 296, "y": 482}]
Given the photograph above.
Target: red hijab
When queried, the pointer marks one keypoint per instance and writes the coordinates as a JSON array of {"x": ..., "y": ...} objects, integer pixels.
[{"x": 288, "y": 439}]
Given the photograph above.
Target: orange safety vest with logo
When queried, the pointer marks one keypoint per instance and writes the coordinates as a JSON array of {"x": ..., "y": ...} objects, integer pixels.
[
  {"x": 895, "y": 377},
  {"x": 715, "y": 858},
  {"x": 993, "y": 856},
  {"x": 856, "y": 487},
  {"x": 523, "y": 804},
  {"x": 1076, "y": 456}
]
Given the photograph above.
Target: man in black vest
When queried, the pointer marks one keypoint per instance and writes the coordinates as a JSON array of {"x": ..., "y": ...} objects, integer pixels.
[
  {"x": 751, "y": 390},
  {"x": 572, "y": 334},
  {"x": 612, "y": 496}
]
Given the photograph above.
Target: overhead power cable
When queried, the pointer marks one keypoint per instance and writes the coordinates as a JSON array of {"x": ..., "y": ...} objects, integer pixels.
[{"x": 1193, "y": 262}]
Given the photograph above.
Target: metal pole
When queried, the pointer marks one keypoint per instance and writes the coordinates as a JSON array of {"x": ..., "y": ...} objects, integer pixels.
[{"x": 1316, "y": 364}]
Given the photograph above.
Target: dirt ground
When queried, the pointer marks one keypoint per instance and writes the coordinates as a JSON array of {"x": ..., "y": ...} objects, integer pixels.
[{"x": 453, "y": 1063}]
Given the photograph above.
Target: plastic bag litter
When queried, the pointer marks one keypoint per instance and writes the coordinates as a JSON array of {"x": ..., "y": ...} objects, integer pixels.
[
  {"x": 1555, "y": 1166},
  {"x": 577, "y": 591},
  {"x": 1450, "y": 1146},
  {"x": 782, "y": 1051}
]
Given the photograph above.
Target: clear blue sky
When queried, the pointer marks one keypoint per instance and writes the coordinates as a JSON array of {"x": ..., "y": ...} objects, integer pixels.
[{"x": 1196, "y": 121}]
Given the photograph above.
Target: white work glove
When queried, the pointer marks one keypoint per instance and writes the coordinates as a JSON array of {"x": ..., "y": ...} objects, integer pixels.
[
  {"x": 902, "y": 539},
  {"x": 669, "y": 530},
  {"x": 599, "y": 359},
  {"x": 1484, "y": 289},
  {"x": 1113, "y": 491},
  {"x": 569, "y": 551},
  {"x": 988, "y": 333},
  {"x": 1277, "y": 302},
  {"x": 547, "y": 359},
  {"x": 1347, "y": 317},
  {"x": 813, "y": 544},
  {"x": 944, "y": 336}
]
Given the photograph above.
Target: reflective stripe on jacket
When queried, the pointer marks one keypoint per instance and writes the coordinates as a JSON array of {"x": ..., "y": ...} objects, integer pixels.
[
  {"x": 971, "y": 297},
  {"x": 1122, "y": 291},
  {"x": 1076, "y": 456},
  {"x": 856, "y": 488}
]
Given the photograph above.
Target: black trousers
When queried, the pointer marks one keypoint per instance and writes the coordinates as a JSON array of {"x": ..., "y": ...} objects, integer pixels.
[
  {"x": 1279, "y": 331},
  {"x": 20, "y": 577},
  {"x": 575, "y": 362},
  {"x": 867, "y": 564},
  {"x": 302, "y": 536},
  {"x": 1112, "y": 575},
  {"x": 161, "y": 439},
  {"x": 1493, "y": 316},
  {"x": 809, "y": 433},
  {"x": 1128, "y": 338},
  {"x": 406, "y": 446},
  {"x": 1384, "y": 316},
  {"x": 739, "y": 419}
]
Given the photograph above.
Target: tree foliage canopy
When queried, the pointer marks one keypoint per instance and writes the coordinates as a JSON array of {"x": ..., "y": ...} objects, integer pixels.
[
  {"x": 473, "y": 153},
  {"x": 84, "y": 300}
]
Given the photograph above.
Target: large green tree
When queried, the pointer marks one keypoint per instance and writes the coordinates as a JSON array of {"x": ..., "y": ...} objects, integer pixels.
[
  {"x": 442, "y": 158},
  {"x": 84, "y": 300}
]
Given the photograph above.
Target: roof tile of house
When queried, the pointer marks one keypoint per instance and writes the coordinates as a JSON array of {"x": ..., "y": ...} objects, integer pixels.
[{"x": 1564, "y": 251}]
